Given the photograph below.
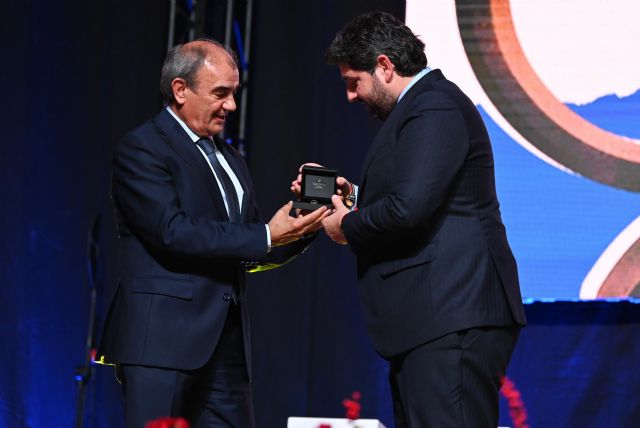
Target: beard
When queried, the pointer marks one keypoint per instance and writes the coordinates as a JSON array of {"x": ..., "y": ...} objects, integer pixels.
[{"x": 380, "y": 102}]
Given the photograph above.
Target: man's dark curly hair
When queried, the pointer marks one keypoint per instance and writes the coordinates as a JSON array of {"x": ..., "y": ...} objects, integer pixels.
[{"x": 360, "y": 42}]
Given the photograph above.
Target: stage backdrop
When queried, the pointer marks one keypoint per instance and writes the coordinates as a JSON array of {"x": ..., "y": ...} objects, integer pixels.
[{"x": 559, "y": 90}]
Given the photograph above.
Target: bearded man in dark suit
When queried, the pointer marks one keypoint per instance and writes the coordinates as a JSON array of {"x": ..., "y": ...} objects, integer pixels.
[
  {"x": 437, "y": 278},
  {"x": 188, "y": 228}
]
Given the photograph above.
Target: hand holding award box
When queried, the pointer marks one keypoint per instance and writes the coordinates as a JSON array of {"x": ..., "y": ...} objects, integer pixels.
[{"x": 317, "y": 186}]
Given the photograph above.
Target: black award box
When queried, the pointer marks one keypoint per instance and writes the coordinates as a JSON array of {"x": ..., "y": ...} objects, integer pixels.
[{"x": 318, "y": 185}]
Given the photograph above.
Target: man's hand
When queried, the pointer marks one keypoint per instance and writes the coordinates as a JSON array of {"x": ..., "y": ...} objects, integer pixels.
[
  {"x": 285, "y": 229},
  {"x": 296, "y": 185},
  {"x": 333, "y": 223},
  {"x": 343, "y": 185}
]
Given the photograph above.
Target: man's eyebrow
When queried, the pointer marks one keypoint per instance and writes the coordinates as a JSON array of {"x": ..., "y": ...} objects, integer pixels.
[{"x": 227, "y": 88}]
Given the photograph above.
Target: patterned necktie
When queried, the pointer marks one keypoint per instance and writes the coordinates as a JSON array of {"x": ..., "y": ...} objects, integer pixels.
[{"x": 227, "y": 185}]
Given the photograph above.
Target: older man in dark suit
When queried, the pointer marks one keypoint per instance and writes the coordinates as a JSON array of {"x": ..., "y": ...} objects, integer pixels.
[
  {"x": 438, "y": 281},
  {"x": 188, "y": 227}
]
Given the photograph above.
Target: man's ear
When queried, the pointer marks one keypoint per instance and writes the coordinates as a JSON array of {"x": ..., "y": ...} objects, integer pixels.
[
  {"x": 179, "y": 87},
  {"x": 386, "y": 66}
]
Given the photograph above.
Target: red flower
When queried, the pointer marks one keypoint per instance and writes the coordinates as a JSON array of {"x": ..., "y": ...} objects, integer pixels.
[
  {"x": 517, "y": 410},
  {"x": 352, "y": 406},
  {"x": 167, "y": 423}
]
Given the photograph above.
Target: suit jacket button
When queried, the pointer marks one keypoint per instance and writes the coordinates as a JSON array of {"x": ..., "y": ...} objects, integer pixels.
[{"x": 226, "y": 297}]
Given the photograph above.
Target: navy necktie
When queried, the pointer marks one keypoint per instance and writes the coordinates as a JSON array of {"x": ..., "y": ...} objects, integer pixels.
[{"x": 227, "y": 185}]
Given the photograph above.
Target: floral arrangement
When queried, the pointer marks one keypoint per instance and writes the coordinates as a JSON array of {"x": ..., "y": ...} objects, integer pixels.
[
  {"x": 167, "y": 423},
  {"x": 352, "y": 406},
  {"x": 517, "y": 410}
]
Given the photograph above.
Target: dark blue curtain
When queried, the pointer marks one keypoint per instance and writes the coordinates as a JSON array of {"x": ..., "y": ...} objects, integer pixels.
[
  {"x": 76, "y": 76},
  {"x": 310, "y": 344}
]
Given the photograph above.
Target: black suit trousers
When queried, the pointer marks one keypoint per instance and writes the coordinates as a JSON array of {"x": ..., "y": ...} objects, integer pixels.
[
  {"x": 452, "y": 381},
  {"x": 217, "y": 395}
]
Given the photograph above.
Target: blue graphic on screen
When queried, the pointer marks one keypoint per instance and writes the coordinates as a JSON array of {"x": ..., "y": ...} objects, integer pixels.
[
  {"x": 559, "y": 224},
  {"x": 561, "y": 101}
]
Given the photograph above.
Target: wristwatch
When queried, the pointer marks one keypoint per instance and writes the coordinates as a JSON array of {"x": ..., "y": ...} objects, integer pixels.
[{"x": 350, "y": 199}]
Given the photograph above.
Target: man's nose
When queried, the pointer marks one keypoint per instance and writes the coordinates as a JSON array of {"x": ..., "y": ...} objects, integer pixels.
[
  {"x": 230, "y": 104},
  {"x": 352, "y": 96}
]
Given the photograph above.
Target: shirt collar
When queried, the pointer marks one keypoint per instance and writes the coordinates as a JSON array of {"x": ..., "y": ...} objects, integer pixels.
[
  {"x": 415, "y": 79},
  {"x": 192, "y": 135}
]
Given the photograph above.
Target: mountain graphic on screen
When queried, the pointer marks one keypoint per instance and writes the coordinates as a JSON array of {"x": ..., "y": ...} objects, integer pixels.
[{"x": 618, "y": 115}]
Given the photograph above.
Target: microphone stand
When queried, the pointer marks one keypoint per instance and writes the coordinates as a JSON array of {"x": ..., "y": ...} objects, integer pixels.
[{"x": 85, "y": 372}]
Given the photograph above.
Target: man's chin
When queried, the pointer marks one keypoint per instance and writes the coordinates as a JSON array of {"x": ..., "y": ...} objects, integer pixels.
[
  {"x": 215, "y": 129},
  {"x": 377, "y": 113}
]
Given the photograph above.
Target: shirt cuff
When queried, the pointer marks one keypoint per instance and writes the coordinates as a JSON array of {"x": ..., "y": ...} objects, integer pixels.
[{"x": 268, "y": 238}]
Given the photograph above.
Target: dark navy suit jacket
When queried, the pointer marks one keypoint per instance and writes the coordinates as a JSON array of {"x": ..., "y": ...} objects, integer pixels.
[
  {"x": 181, "y": 262},
  {"x": 432, "y": 251}
]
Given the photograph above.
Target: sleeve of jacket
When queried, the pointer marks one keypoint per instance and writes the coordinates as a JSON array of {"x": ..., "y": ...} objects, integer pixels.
[
  {"x": 430, "y": 150},
  {"x": 145, "y": 194}
]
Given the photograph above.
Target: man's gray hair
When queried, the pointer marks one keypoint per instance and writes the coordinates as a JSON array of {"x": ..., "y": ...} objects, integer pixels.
[{"x": 184, "y": 61}]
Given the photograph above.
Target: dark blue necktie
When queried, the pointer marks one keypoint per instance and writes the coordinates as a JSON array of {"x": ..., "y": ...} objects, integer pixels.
[{"x": 227, "y": 185}]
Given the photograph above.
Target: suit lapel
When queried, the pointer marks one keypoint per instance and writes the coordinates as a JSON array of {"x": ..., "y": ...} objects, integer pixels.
[
  {"x": 382, "y": 137},
  {"x": 181, "y": 143}
]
